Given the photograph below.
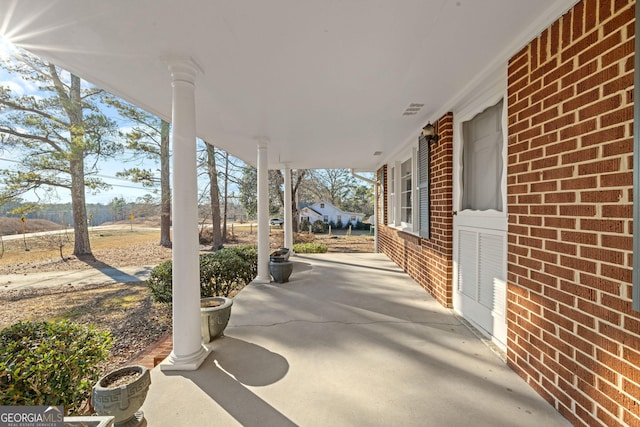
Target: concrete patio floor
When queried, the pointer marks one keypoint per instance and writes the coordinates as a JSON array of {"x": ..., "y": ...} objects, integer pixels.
[{"x": 350, "y": 340}]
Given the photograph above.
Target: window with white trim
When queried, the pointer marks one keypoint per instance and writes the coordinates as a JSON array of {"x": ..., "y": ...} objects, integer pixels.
[
  {"x": 409, "y": 180},
  {"x": 406, "y": 193}
]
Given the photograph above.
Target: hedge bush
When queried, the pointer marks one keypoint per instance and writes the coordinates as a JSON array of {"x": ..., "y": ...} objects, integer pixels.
[
  {"x": 309, "y": 248},
  {"x": 319, "y": 226},
  {"x": 51, "y": 363},
  {"x": 221, "y": 272},
  {"x": 304, "y": 225}
]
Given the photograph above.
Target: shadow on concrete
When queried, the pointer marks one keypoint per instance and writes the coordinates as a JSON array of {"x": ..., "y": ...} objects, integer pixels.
[{"x": 225, "y": 375}]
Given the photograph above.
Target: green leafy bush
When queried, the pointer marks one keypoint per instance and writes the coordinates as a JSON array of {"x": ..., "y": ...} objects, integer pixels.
[
  {"x": 220, "y": 273},
  {"x": 309, "y": 248},
  {"x": 304, "y": 225},
  {"x": 51, "y": 363},
  {"x": 249, "y": 253},
  {"x": 319, "y": 226},
  {"x": 159, "y": 282}
]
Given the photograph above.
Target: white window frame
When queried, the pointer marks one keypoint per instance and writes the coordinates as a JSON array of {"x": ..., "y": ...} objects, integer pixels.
[
  {"x": 396, "y": 192},
  {"x": 391, "y": 202}
]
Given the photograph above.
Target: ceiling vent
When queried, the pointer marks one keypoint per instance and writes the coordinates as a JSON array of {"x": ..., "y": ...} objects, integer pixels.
[{"x": 412, "y": 109}]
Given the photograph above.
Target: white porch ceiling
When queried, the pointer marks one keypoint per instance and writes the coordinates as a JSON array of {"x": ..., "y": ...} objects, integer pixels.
[{"x": 324, "y": 82}]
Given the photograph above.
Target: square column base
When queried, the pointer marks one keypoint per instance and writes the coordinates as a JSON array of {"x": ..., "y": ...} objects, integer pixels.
[{"x": 188, "y": 363}]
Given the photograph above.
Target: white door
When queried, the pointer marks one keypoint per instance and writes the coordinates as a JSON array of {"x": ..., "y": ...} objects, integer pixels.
[{"x": 480, "y": 222}]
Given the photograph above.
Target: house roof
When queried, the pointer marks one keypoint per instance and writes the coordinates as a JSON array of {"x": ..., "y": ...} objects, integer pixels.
[
  {"x": 326, "y": 84},
  {"x": 311, "y": 209}
]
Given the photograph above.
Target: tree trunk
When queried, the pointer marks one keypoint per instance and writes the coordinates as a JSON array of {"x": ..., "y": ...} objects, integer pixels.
[
  {"x": 165, "y": 187},
  {"x": 82, "y": 246},
  {"x": 226, "y": 195},
  {"x": 301, "y": 173},
  {"x": 78, "y": 206},
  {"x": 215, "y": 198}
]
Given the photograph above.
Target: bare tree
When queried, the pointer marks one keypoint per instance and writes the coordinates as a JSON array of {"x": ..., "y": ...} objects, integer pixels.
[
  {"x": 214, "y": 193},
  {"x": 333, "y": 185},
  {"x": 298, "y": 177}
]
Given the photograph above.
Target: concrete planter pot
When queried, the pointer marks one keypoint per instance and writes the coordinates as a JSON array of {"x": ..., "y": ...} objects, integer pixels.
[
  {"x": 213, "y": 320},
  {"x": 122, "y": 400},
  {"x": 281, "y": 270},
  {"x": 280, "y": 255}
]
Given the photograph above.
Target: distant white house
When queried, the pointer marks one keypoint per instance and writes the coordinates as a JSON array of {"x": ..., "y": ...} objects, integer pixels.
[{"x": 327, "y": 212}]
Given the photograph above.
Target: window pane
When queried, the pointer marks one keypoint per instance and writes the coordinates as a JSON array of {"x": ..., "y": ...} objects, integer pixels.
[
  {"x": 392, "y": 196},
  {"x": 406, "y": 192},
  {"x": 482, "y": 160}
]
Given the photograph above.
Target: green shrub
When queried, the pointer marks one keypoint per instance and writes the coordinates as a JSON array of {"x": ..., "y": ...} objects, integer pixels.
[
  {"x": 159, "y": 282},
  {"x": 50, "y": 363},
  {"x": 319, "y": 226},
  {"x": 304, "y": 225},
  {"x": 309, "y": 248},
  {"x": 220, "y": 273},
  {"x": 249, "y": 253}
]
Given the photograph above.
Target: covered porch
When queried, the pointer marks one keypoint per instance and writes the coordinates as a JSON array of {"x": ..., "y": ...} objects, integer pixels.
[{"x": 350, "y": 340}]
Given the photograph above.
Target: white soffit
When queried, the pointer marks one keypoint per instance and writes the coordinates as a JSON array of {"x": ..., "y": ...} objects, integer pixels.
[{"x": 326, "y": 83}]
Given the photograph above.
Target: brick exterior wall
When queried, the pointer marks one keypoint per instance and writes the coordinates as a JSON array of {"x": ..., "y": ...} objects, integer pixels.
[
  {"x": 429, "y": 261},
  {"x": 572, "y": 333}
]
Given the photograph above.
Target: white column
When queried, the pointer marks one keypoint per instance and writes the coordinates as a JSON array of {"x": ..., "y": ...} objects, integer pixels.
[
  {"x": 288, "y": 217},
  {"x": 188, "y": 352},
  {"x": 263, "y": 215}
]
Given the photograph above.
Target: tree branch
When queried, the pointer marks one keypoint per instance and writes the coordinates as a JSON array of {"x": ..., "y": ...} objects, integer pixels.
[
  {"x": 32, "y": 137},
  {"x": 26, "y": 109}
]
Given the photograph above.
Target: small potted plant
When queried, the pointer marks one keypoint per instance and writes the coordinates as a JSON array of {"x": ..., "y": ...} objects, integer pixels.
[
  {"x": 121, "y": 393},
  {"x": 221, "y": 274}
]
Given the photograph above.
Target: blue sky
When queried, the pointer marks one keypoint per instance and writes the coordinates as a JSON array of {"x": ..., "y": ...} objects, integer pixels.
[{"x": 108, "y": 169}]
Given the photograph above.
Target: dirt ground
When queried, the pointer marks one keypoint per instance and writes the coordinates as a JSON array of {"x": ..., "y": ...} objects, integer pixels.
[{"x": 125, "y": 309}]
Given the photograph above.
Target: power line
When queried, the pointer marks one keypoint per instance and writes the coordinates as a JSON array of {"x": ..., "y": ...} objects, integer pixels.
[{"x": 99, "y": 176}]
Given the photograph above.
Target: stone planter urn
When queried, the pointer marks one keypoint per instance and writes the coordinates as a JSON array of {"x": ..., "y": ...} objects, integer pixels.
[
  {"x": 121, "y": 393},
  {"x": 214, "y": 318},
  {"x": 281, "y": 270}
]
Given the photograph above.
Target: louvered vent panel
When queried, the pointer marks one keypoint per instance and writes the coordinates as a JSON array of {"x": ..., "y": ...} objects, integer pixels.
[
  {"x": 491, "y": 280},
  {"x": 467, "y": 266}
]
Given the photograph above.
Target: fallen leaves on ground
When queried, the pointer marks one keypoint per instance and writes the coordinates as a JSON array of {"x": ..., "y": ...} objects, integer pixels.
[{"x": 125, "y": 309}]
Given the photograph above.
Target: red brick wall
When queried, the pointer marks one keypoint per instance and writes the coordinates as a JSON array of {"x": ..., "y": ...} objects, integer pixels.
[
  {"x": 429, "y": 261},
  {"x": 572, "y": 333}
]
